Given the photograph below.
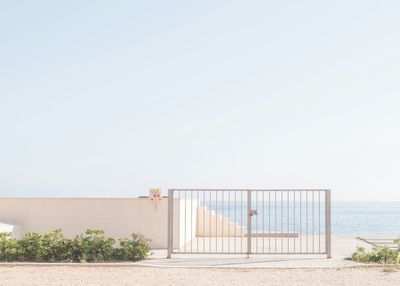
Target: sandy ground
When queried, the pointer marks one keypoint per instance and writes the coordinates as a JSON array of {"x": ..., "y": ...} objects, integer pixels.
[{"x": 81, "y": 275}]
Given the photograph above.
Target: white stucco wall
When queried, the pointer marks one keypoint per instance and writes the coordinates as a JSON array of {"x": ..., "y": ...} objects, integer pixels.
[
  {"x": 187, "y": 221},
  {"x": 119, "y": 217},
  {"x": 211, "y": 224}
]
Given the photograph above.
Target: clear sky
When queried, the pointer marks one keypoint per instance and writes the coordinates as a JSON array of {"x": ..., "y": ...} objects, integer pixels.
[{"x": 111, "y": 98}]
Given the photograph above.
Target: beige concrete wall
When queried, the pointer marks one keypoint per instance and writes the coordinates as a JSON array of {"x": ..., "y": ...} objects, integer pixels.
[{"x": 119, "y": 217}]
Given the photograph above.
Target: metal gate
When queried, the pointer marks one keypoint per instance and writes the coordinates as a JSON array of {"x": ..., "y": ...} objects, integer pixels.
[{"x": 230, "y": 221}]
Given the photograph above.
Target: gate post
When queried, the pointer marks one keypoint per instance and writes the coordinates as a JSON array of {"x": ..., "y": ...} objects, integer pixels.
[
  {"x": 328, "y": 240},
  {"x": 170, "y": 222},
  {"x": 248, "y": 223}
]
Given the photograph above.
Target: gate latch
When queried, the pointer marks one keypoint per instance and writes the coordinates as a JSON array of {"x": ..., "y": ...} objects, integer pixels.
[{"x": 253, "y": 212}]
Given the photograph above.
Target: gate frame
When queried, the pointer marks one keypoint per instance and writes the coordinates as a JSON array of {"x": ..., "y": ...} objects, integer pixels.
[{"x": 328, "y": 218}]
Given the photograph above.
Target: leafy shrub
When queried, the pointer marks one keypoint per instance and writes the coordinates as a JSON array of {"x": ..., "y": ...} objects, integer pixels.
[
  {"x": 133, "y": 249},
  {"x": 383, "y": 255},
  {"x": 92, "y": 246},
  {"x": 9, "y": 248},
  {"x": 54, "y": 246},
  {"x": 30, "y": 246}
]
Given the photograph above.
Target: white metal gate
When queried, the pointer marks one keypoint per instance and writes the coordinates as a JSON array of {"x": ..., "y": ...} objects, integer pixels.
[{"x": 230, "y": 221}]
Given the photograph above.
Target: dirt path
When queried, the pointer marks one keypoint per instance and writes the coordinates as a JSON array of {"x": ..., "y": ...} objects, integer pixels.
[{"x": 67, "y": 275}]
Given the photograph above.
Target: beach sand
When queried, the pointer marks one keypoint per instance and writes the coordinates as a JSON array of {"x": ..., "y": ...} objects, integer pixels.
[{"x": 81, "y": 275}]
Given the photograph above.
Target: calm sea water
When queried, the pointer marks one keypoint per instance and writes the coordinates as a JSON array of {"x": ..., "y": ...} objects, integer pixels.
[
  {"x": 348, "y": 218},
  {"x": 366, "y": 218}
]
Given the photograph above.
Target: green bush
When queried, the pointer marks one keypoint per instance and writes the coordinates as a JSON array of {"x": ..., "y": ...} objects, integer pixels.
[
  {"x": 9, "y": 248},
  {"x": 133, "y": 249},
  {"x": 383, "y": 255},
  {"x": 54, "y": 246},
  {"x": 92, "y": 246},
  {"x": 30, "y": 247}
]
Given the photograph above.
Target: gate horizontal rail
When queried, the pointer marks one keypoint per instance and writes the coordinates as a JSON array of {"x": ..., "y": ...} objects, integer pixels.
[{"x": 249, "y": 221}]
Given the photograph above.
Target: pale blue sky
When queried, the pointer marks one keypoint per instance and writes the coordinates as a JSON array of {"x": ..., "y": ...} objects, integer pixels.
[{"x": 110, "y": 98}]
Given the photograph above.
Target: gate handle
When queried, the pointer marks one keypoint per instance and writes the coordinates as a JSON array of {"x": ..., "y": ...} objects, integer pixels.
[{"x": 253, "y": 212}]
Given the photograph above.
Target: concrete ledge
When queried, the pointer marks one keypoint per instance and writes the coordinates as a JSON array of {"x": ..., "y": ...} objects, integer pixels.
[{"x": 283, "y": 234}]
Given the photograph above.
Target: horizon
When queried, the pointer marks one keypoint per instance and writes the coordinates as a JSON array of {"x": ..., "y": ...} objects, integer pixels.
[{"x": 164, "y": 196}]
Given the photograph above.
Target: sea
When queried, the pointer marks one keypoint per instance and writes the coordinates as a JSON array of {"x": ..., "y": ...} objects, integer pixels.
[
  {"x": 347, "y": 218},
  {"x": 366, "y": 218}
]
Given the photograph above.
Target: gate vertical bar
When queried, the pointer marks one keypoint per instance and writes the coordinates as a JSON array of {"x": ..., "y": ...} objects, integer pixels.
[
  {"x": 185, "y": 213},
  {"x": 170, "y": 221},
  {"x": 248, "y": 223},
  {"x": 328, "y": 245}
]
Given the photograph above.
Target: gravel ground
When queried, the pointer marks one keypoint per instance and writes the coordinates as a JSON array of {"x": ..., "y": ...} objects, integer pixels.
[{"x": 81, "y": 275}]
